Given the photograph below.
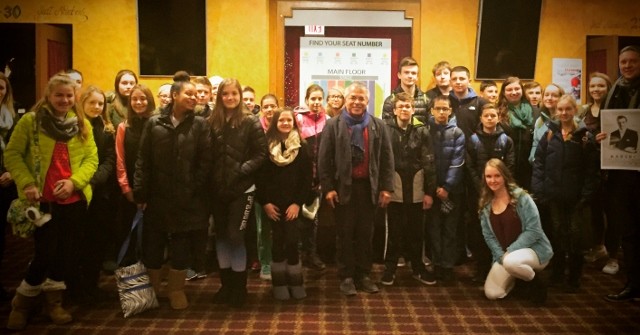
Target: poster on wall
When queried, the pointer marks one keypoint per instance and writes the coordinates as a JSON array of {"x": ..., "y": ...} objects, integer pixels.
[
  {"x": 335, "y": 61},
  {"x": 567, "y": 72},
  {"x": 620, "y": 148}
]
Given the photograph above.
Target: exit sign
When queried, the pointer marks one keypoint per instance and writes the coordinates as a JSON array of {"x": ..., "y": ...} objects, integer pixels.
[{"x": 314, "y": 30}]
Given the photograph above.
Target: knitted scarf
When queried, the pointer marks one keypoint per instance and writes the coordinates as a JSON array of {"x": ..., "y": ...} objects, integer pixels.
[
  {"x": 521, "y": 116},
  {"x": 59, "y": 130},
  {"x": 291, "y": 147},
  {"x": 357, "y": 127}
]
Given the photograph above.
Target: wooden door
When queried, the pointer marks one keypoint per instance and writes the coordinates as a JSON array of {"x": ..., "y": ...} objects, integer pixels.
[{"x": 53, "y": 54}]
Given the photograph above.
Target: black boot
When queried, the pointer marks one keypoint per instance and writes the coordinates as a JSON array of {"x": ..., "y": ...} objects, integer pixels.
[
  {"x": 538, "y": 289},
  {"x": 238, "y": 289},
  {"x": 223, "y": 296},
  {"x": 576, "y": 262},
  {"x": 557, "y": 270}
]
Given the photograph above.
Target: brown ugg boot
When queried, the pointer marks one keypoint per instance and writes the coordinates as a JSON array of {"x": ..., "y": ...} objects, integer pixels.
[
  {"x": 175, "y": 289},
  {"x": 155, "y": 278},
  {"x": 21, "y": 307},
  {"x": 57, "y": 314}
]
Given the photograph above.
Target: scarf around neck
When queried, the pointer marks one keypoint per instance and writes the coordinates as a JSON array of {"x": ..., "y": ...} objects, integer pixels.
[
  {"x": 59, "y": 130},
  {"x": 6, "y": 122},
  {"x": 291, "y": 148},
  {"x": 521, "y": 116},
  {"x": 357, "y": 127}
]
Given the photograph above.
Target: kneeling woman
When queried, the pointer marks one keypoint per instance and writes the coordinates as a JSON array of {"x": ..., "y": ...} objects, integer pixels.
[
  {"x": 511, "y": 227},
  {"x": 171, "y": 170},
  {"x": 283, "y": 184}
]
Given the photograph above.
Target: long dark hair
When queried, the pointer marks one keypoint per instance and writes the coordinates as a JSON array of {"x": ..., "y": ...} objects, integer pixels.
[
  {"x": 273, "y": 134},
  {"x": 218, "y": 117},
  {"x": 151, "y": 105},
  {"x": 121, "y": 102}
]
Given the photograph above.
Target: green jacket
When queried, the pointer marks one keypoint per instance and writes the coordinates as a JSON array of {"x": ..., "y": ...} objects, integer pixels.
[{"x": 18, "y": 156}]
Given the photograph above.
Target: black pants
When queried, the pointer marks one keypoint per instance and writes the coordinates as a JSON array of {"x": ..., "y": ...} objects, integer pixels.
[
  {"x": 181, "y": 245},
  {"x": 285, "y": 235},
  {"x": 623, "y": 188},
  {"x": 96, "y": 235},
  {"x": 57, "y": 244},
  {"x": 354, "y": 229},
  {"x": 405, "y": 235}
]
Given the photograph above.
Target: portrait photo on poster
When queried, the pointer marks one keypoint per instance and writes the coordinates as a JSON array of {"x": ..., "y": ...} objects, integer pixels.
[{"x": 620, "y": 148}]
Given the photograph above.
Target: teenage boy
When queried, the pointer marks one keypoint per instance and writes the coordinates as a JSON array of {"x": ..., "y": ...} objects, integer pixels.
[
  {"x": 414, "y": 188},
  {"x": 489, "y": 91},
  {"x": 448, "y": 146},
  {"x": 465, "y": 103},
  {"x": 489, "y": 141},
  {"x": 408, "y": 70},
  {"x": 442, "y": 74}
]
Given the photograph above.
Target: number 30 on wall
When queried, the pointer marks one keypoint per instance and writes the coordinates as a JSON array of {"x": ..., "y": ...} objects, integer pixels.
[{"x": 14, "y": 11}]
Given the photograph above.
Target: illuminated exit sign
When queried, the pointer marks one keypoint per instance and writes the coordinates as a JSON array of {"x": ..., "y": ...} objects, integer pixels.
[{"x": 314, "y": 30}]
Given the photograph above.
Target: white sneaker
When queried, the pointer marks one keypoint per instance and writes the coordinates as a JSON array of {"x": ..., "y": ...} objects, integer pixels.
[{"x": 612, "y": 267}]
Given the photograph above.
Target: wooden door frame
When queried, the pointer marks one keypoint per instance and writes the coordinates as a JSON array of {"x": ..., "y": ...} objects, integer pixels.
[{"x": 279, "y": 10}]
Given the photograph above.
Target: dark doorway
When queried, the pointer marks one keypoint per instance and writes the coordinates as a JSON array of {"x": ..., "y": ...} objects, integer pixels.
[{"x": 19, "y": 51}]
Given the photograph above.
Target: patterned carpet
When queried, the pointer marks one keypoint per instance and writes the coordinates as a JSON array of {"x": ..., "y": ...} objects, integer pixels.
[{"x": 406, "y": 308}]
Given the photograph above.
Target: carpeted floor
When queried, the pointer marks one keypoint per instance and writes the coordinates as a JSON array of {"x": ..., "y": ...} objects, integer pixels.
[{"x": 406, "y": 308}]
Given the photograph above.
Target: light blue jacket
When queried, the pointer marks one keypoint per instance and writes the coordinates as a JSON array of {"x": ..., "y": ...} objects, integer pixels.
[{"x": 531, "y": 236}]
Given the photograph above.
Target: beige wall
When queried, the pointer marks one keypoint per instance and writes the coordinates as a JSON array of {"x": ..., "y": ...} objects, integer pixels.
[{"x": 238, "y": 34}]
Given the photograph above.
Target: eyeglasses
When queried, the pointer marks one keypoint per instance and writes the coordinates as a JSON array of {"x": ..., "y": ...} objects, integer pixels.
[
  {"x": 441, "y": 109},
  {"x": 335, "y": 97}
]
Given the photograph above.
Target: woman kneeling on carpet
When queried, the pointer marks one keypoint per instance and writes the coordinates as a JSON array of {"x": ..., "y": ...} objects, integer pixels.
[
  {"x": 511, "y": 227},
  {"x": 283, "y": 184}
]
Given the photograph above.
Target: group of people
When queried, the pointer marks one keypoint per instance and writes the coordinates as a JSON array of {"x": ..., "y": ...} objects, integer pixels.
[{"x": 511, "y": 175}]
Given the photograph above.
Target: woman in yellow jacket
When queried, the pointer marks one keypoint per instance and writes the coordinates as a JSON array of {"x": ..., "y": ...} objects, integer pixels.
[{"x": 54, "y": 169}]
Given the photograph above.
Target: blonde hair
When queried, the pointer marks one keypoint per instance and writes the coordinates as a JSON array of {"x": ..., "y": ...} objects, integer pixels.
[
  {"x": 108, "y": 125},
  {"x": 8, "y": 97},
  {"x": 486, "y": 194},
  {"x": 43, "y": 105}
]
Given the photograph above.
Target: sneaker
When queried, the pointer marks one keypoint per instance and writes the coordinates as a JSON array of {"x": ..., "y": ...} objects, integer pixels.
[
  {"x": 596, "y": 254},
  {"x": 313, "y": 262},
  {"x": 365, "y": 284},
  {"x": 201, "y": 275},
  {"x": 387, "y": 278},
  {"x": 265, "y": 272},
  {"x": 347, "y": 287},
  {"x": 401, "y": 262},
  {"x": 612, "y": 267},
  {"x": 191, "y": 274},
  {"x": 425, "y": 277}
]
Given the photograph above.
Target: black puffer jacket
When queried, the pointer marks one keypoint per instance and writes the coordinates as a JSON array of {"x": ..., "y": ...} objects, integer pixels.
[
  {"x": 103, "y": 181},
  {"x": 414, "y": 162},
  {"x": 171, "y": 172},
  {"x": 566, "y": 170},
  {"x": 238, "y": 153},
  {"x": 481, "y": 147},
  {"x": 421, "y": 105}
]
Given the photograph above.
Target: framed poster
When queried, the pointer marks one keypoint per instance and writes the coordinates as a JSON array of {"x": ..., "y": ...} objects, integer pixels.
[
  {"x": 620, "y": 148},
  {"x": 339, "y": 61}
]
